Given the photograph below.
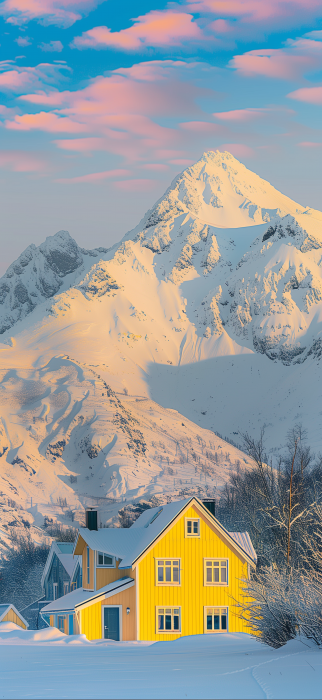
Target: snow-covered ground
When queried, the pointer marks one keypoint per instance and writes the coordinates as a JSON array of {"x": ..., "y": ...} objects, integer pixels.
[{"x": 47, "y": 664}]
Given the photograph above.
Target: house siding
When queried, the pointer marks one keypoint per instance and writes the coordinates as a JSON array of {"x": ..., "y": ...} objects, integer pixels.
[
  {"x": 91, "y": 616},
  {"x": 57, "y": 574},
  {"x": 191, "y": 596},
  {"x": 12, "y": 617}
]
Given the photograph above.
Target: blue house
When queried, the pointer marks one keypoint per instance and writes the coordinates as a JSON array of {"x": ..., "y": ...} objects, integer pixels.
[{"x": 62, "y": 573}]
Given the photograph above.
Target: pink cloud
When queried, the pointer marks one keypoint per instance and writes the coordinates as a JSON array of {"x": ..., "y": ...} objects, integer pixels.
[
  {"x": 254, "y": 11},
  {"x": 22, "y": 161},
  {"x": 94, "y": 177},
  {"x": 220, "y": 26},
  {"x": 201, "y": 127},
  {"x": 59, "y": 12},
  {"x": 135, "y": 185},
  {"x": 52, "y": 99},
  {"x": 120, "y": 113},
  {"x": 84, "y": 145},
  {"x": 272, "y": 63},
  {"x": 18, "y": 79},
  {"x": 157, "y": 28},
  {"x": 23, "y": 41},
  {"x": 239, "y": 115},
  {"x": 312, "y": 95},
  {"x": 310, "y": 144},
  {"x": 45, "y": 121},
  {"x": 239, "y": 150}
]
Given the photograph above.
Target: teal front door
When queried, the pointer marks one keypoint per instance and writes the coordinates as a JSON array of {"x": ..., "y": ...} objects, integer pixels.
[{"x": 112, "y": 624}]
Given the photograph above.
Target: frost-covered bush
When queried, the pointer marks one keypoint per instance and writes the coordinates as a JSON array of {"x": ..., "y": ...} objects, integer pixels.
[{"x": 280, "y": 605}]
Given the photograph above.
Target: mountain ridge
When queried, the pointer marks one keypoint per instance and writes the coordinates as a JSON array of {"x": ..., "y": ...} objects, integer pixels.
[{"x": 208, "y": 328}]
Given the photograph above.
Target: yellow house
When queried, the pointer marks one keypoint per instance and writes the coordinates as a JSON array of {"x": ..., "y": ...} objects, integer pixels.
[
  {"x": 176, "y": 571},
  {"x": 8, "y": 613}
]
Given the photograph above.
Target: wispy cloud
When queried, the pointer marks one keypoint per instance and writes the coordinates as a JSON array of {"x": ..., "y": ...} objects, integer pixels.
[
  {"x": 22, "y": 161},
  {"x": 94, "y": 177}
]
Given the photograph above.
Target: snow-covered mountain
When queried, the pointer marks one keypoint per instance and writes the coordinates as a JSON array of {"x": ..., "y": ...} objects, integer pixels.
[{"x": 119, "y": 366}]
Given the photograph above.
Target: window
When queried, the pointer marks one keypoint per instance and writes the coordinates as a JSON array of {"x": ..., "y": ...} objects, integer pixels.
[
  {"x": 216, "y": 620},
  {"x": 104, "y": 560},
  {"x": 192, "y": 527},
  {"x": 168, "y": 619},
  {"x": 167, "y": 572},
  {"x": 73, "y": 585},
  {"x": 216, "y": 572},
  {"x": 66, "y": 587},
  {"x": 55, "y": 587},
  {"x": 87, "y": 564},
  {"x": 61, "y": 623}
]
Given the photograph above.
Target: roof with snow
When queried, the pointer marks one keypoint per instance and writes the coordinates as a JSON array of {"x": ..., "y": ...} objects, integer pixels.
[
  {"x": 64, "y": 552},
  {"x": 128, "y": 544},
  {"x": 80, "y": 596},
  {"x": 6, "y": 607}
]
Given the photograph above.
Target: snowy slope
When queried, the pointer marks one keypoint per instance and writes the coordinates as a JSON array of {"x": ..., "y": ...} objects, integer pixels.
[{"x": 211, "y": 307}]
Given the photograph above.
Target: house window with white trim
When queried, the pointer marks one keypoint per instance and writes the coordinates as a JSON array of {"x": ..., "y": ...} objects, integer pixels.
[
  {"x": 66, "y": 587},
  {"x": 192, "y": 527},
  {"x": 216, "y": 572},
  {"x": 168, "y": 620},
  {"x": 167, "y": 572},
  {"x": 216, "y": 619},
  {"x": 55, "y": 589},
  {"x": 104, "y": 560}
]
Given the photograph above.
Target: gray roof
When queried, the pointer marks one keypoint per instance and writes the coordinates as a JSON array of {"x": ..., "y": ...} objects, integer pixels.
[
  {"x": 70, "y": 601},
  {"x": 127, "y": 544}
]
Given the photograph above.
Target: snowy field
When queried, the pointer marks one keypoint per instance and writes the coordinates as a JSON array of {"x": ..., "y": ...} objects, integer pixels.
[{"x": 47, "y": 664}]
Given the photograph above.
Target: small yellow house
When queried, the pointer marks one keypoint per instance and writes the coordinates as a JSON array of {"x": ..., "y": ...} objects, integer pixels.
[
  {"x": 176, "y": 571},
  {"x": 8, "y": 613}
]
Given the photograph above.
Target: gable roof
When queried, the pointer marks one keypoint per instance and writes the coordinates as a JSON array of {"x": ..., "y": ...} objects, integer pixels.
[
  {"x": 4, "y": 609},
  {"x": 128, "y": 544},
  {"x": 78, "y": 598},
  {"x": 64, "y": 552}
]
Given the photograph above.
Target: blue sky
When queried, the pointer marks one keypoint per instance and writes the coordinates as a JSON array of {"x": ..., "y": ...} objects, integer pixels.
[{"x": 101, "y": 106}]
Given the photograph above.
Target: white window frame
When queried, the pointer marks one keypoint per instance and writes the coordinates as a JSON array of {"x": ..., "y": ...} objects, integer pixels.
[
  {"x": 55, "y": 591},
  {"x": 66, "y": 587},
  {"x": 215, "y": 607},
  {"x": 191, "y": 534},
  {"x": 167, "y": 583},
  {"x": 167, "y": 607},
  {"x": 120, "y": 619},
  {"x": 105, "y": 566},
  {"x": 215, "y": 583}
]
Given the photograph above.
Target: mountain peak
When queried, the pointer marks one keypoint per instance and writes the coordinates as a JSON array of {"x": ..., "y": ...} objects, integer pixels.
[{"x": 221, "y": 192}]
